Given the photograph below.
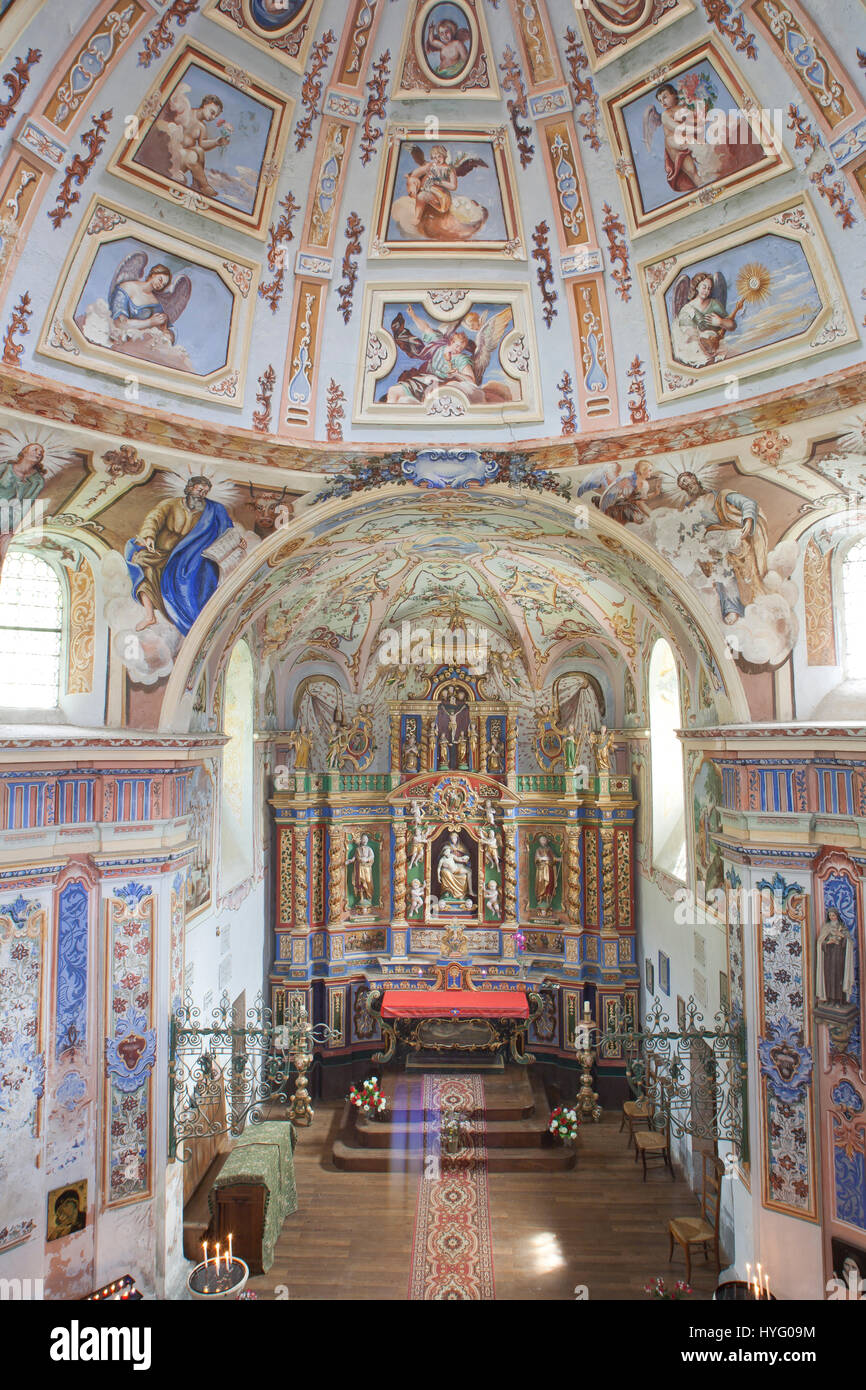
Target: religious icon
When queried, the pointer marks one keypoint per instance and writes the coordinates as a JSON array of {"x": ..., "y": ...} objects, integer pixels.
[
  {"x": 361, "y": 862},
  {"x": 454, "y": 872},
  {"x": 546, "y": 867},
  {"x": 834, "y": 974},
  {"x": 447, "y": 41},
  {"x": 67, "y": 1210}
]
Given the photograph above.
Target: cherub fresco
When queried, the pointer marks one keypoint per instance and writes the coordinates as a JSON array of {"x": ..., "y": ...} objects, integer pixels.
[
  {"x": 693, "y": 155},
  {"x": 458, "y": 354},
  {"x": 447, "y": 44},
  {"x": 274, "y": 14},
  {"x": 180, "y": 139},
  {"x": 438, "y": 211}
]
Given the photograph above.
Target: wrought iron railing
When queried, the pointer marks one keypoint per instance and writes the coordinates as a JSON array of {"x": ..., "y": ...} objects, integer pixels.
[
  {"x": 694, "y": 1075},
  {"x": 231, "y": 1070}
]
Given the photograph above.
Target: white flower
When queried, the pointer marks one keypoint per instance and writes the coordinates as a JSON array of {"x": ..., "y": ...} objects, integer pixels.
[{"x": 373, "y": 1080}]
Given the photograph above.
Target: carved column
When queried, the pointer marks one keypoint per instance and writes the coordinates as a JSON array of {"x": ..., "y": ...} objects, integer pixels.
[
  {"x": 509, "y": 875},
  {"x": 608, "y": 897},
  {"x": 511, "y": 752},
  {"x": 400, "y": 874},
  {"x": 337, "y": 877},
  {"x": 573, "y": 888},
  {"x": 302, "y": 922},
  {"x": 396, "y": 762},
  {"x": 482, "y": 744},
  {"x": 430, "y": 736}
]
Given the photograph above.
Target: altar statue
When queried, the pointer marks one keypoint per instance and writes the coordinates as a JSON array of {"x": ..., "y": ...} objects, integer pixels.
[
  {"x": 835, "y": 964},
  {"x": 411, "y": 751},
  {"x": 602, "y": 743},
  {"x": 300, "y": 742},
  {"x": 362, "y": 861},
  {"x": 416, "y": 897},
  {"x": 419, "y": 844},
  {"x": 454, "y": 871},
  {"x": 487, "y": 836},
  {"x": 336, "y": 747},
  {"x": 473, "y": 748},
  {"x": 546, "y": 872},
  {"x": 443, "y": 752},
  {"x": 463, "y": 753},
  {"x": 491, "y": 899},
  {"x": 496, "y": 751}
]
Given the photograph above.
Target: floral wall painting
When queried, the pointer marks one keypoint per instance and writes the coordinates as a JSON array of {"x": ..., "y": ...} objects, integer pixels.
[
  {"x": 446, "y": 50},
  {"x": 764, "y": 294},
  {"x": 283, "y": 28},
  {"x": 689, "y": 138},
  {"x": 612, "y": 27},
  {"x": 67, "y": 1210},
  {"x": 209, "y": 144},
  {"x": 133, "y": 300},
  {"x": 450, "y": 353},
  {"x": 452, "y": 194}
]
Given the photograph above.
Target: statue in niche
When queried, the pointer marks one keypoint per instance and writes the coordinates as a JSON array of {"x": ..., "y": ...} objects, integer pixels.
[
  {"x": 602, "y": 743},
  {"x": 463, "y": 753},
  {"x": 452, "y": 723},
  {"x": 473, "y": 747},
  {"x": 411, "y": 750},
  {"x": 835, "y": 964},
  {"x": 443, "y": 753},
  {"x": 420, "y": 838},
  {"x": 488, "y": 837},
  {"x": 454, "y": 872},
  {"x": 336, "y": 747},
  {"x": 569, "y": 746},
  {"x": 546, "y": 865},
  {"x": 416, "y": 897},
  {"x": 496, "y": 750},
  {"x": 300, "y": 742},
  {"x": 492, "y": 905},
  {"x": 362, "y": 862}
]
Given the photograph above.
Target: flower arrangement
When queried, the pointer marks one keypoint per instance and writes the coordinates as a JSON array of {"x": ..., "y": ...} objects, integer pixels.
[
  {"x": 657, "y": 1288},
  {"x": 368, "y": 1098},
  {"x": 564, "y": 1123}
]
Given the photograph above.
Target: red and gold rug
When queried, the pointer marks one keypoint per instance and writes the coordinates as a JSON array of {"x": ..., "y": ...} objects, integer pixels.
[{"x": 452, "y": 1256}]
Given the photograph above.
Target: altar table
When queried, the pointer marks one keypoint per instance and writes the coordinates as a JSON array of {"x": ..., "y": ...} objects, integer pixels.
[
  {"x": 454, "y": 1003},
  {"x": 454, "y": 1027}
]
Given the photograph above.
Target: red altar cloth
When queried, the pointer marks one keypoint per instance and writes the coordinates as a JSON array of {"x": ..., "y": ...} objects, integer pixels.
[{"x": 454, "y": 1003}]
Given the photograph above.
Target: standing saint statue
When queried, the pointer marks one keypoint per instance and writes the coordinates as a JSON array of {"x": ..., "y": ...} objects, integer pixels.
[
  {"x": 411, "y": 751},
  {"x": 496, "y": 751},
  {"x": 546, "y": 865},
  {"x": 454, "y": 871},
  {"x": 835, "y": 964},
  {"x": 362, "y": 861}
]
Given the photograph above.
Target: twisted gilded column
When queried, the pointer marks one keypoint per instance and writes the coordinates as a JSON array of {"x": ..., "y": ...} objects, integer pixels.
[
  {"x": 509, "y": 887},
  {"x": 336, "y": 877},
  {"x": 400, "y": 874},
  {"x": 572, "y": 898},
  {"x": 607, "y": 881},
  {"x": 300, "y": 878}
]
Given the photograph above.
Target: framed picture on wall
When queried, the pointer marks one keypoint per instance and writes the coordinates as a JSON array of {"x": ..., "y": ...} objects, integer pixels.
[
  {"x": 681, "y": 1013},
  {"x": 724, "y": 990},
  {"x": 649, "y": 976},
  {"x": 664, "y": 973}
]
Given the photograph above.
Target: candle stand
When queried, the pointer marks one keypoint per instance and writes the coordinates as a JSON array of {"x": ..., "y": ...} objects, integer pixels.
[{"x": 214, "y": 1279}]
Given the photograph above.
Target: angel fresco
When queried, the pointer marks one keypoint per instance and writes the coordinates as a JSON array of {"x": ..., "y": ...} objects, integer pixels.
[
  {"x": 456, "y": 355},
  {"x": 438, "y": 211},
  {"x": 138, "y": 316},
  {"x": 274, "y": 14},
  {"x": 701, "y": 318},
  {"x": 693, "y": 158}
]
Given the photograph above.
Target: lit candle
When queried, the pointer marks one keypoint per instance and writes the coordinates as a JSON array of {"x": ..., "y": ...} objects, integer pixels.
[
  {"x": 217, "y": 1258},
  {"x": 760, "y": 1281},
  {"x": 586, "y": 1006},
  {"x": 766, "y": 1286},
  {"x": 748, "y": 1273},
  {"x": 231, "y": 1257},
  {"x": 204, "y": 1247}
]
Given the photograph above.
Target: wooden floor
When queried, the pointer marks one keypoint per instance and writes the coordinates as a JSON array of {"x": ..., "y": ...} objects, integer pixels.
[{"x": 598, "y": 1226}]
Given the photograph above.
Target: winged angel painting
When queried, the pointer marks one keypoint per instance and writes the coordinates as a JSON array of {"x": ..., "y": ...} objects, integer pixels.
[
  {"x": 434, "y": 209},
  {"x": 455, "y": 354},
  {"x": 154, "y": 310}
]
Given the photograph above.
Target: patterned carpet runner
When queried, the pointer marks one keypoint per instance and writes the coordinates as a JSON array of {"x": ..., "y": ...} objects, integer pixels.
[{"x": 452, "y": 1256}]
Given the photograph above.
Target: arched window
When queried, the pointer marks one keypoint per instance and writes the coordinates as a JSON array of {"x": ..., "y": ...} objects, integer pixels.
[
  {"x": 31, "y": 633},
  {"x": 668, "y": 803},
  {"x": 854, "y": 607},
  {"x": 236, "y": 836}
]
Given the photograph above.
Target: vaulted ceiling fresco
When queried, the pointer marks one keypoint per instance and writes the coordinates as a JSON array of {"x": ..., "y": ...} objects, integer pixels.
[{"x": 543, "y": 317}]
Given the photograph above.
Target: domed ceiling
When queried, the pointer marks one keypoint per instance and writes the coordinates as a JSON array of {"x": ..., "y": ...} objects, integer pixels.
[{"x": 433, "y": 219}]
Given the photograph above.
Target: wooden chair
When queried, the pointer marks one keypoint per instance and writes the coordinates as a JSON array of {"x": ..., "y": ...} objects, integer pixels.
[
  {"x": 653, "y": 1143},
  {"x": 639, "y": 1112},
  {"x": 704, "y": 1229}
]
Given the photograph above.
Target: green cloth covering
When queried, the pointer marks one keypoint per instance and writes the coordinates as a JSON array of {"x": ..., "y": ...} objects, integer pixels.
[{"x": 263, "y": 1155}]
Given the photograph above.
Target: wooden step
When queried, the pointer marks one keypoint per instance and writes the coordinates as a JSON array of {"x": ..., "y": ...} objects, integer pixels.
[{"x": 517, "y": 1160}]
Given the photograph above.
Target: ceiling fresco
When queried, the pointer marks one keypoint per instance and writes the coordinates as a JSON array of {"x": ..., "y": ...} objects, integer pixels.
[{"x": 352, "y": 223}]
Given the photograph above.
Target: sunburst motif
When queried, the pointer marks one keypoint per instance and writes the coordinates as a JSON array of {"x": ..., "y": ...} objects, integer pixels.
[{"x": 753, "y": 283}]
